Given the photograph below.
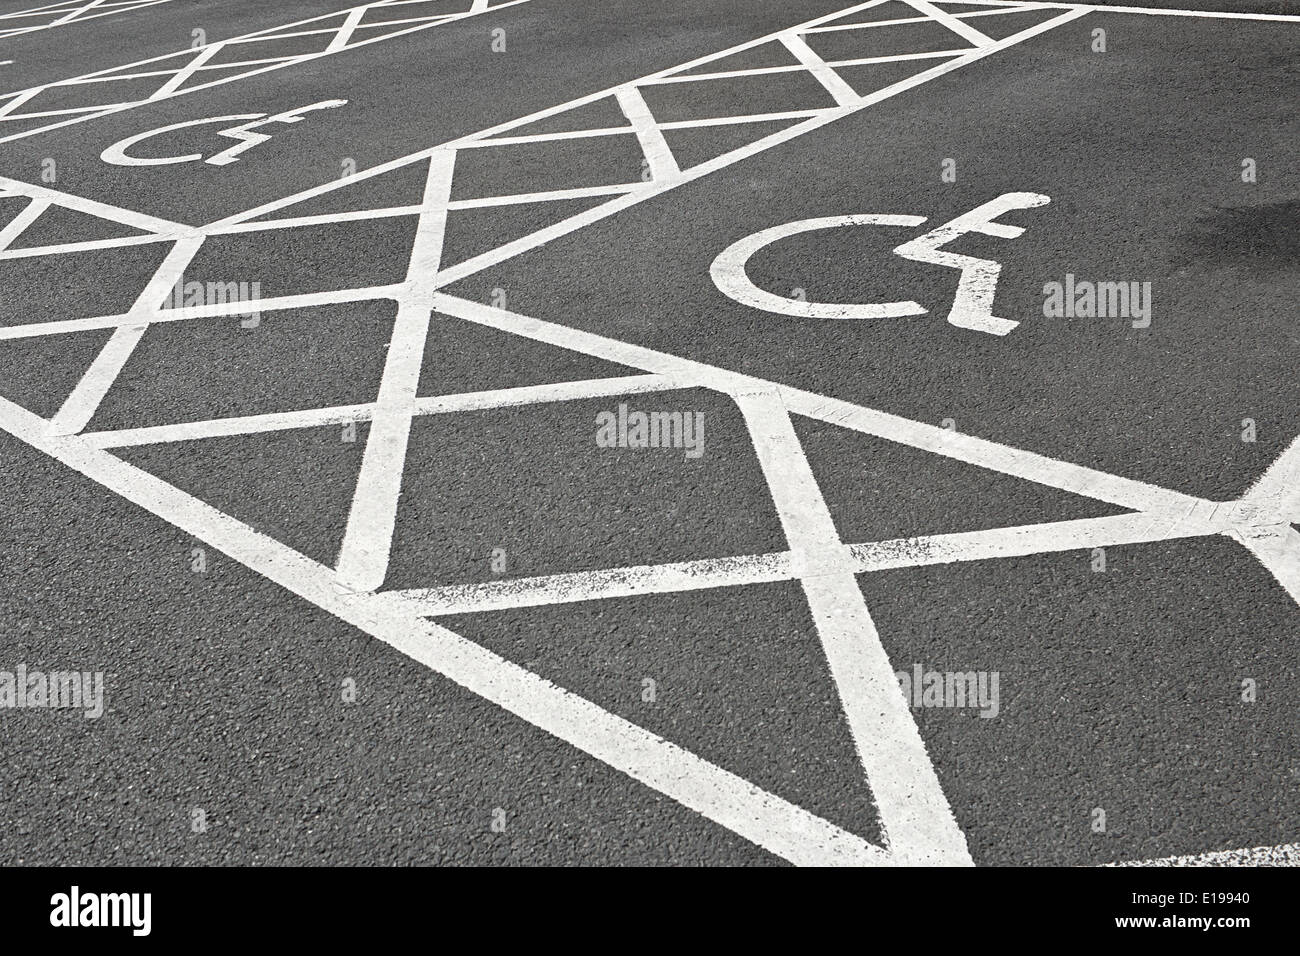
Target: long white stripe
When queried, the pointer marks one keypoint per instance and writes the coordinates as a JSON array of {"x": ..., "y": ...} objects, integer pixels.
[
  {"x": 1019, "y": 541},
  {"x": 363, "y": 557},
  {"x": 337, "y": 414},
  {"x": 1148, "y": 11},
  {"x": 600, "y": 585},
  {"x": 1287, "y": 854}
]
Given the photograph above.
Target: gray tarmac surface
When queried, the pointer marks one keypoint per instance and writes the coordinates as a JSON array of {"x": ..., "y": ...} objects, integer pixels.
[{"x": 1121, "y": 689}]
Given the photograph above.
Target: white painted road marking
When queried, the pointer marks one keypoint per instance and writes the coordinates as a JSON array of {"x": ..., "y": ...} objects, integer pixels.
[
  {"x": 243, "y": 134},
  {"x": 972, "y": 307},
  {"x": 890, "y": 748}
]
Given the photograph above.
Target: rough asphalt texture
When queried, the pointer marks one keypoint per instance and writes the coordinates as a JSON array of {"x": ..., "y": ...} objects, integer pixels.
[{"x": 1120, "y": 690}]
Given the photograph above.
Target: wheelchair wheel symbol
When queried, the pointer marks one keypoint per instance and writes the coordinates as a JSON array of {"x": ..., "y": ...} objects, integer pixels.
[{"x": 972, "y": 306}]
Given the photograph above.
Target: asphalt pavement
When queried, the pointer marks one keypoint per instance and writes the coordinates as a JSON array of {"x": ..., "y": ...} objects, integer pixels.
[{"x": 742, "y": 433}]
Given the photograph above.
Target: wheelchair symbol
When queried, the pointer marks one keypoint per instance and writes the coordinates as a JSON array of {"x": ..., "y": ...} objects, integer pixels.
[
  {"x": 972, "y": 307},
  {"x": 243, "y": 134}
]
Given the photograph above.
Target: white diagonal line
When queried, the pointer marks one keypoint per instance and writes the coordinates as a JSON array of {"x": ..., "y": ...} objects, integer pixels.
[
  {"x": 553, "y": 195},
  {"x": 1278, "y": 549},
  {"x": 345, "y": 31},
  {"x": 181, "y": 76},
  {"x": 842, "y": 93},
  {"x": 84, "y": 8},
  {"x": 363, "y": 557},
  {"x": 15, "y": 227},
  {"x": 663, "y": 165},
  {"x": 126, "y": 217},
  {"x": 1278, "y": 490},
  {"x": 959, "y": 27},
  {"x": 338, "y": 414},
  {"x": 216, "y": 310},
  {"x": 1150, "y": 11},
  {"x": 80, "y": 406},
  {"x": 17, "y": 100},
  {"x": 1018, "y": 541},
  {"x": 1114, "y": 489}
]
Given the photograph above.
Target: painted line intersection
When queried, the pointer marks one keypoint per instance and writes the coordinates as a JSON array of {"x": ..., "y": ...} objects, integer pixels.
[{"x": 918, "y": 824}]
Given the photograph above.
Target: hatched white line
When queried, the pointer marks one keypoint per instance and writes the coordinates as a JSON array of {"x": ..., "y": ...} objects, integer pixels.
[
  {"x": 539, "y": 394},
  {"x": 363, "y": 556},
  {"x": 1088, "y": 482},
  {"x": 601, "y": 585},
  {"x": 823, "y": 564},
  {"x": 537, "y": 239},
  {"x": 919, "y": 825},
  {"x": 762, "y": 818},
  {"x": 226, "y": 427},
  {"x": 271, "y": 33}
]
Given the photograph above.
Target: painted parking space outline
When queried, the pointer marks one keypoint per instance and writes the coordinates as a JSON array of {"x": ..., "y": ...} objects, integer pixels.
[{"x": 918, "y": 822}]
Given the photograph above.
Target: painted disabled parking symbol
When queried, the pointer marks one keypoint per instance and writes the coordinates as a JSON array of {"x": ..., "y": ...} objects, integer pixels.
[
  {"x": 972, "y": 307},
  {"x": 244, "y": 134}
]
